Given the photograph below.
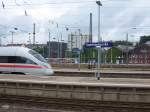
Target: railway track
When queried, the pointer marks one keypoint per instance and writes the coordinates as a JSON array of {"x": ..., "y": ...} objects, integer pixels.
[
  {"x": 104, "y": 74},
  {"x": 37, "y": 104}
]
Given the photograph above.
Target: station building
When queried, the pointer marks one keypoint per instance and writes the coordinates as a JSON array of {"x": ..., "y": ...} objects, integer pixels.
[{"x": 140, "y": 54}]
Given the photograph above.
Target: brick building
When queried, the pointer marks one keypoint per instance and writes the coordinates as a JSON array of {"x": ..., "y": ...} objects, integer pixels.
[{"x": 140, "y": 55}]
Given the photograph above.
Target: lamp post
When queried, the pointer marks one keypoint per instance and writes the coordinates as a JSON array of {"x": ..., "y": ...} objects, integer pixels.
[
  {"x": 79, "y": 52},
  {"x": 127, "y": 46},
  {"x": 99, "y": 39},
  {"x": 29, "y": 41},
  {"x": 12, "y": 35},
  {"x": 58, "y": 50},
  {"x": 1, "y": 36},
  {"x": 61, "y": 47},
  {"x": 127, "y": 49},
  {"x": 62, "y": 41},
  {"x": 49, "y": 46}
]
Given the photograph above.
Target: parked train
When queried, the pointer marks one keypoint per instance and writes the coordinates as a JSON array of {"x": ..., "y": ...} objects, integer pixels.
[{"x": 23, "y": 60}]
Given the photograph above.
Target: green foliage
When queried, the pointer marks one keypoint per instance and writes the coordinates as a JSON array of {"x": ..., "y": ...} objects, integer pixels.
[
  {"x": 115, "y": 53},
  {"x": 89, "y": 54},
  {"x": 116, "y": 43},
  {"x": 38, "y": 49},
  {"x": 74, "y": 54},
  {"x": 144, "y": 39}
]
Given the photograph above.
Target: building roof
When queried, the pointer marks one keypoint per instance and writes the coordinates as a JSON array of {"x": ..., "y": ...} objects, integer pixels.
[{"x": 125, "y": 48}]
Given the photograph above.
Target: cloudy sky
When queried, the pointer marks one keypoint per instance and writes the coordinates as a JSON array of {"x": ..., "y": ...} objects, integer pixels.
[{"x": 118, "y": 17}]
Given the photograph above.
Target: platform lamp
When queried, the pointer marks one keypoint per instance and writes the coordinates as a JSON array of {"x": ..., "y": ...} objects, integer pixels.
[{"x": 99, "y": 39}]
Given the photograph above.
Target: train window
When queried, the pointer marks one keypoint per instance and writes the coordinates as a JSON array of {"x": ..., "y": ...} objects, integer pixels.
[
  {"x": 3, "y": 59},
  {"x": 23, "y": 60},
  {"x": 7, "y": 59},
  {"x": 12, "y": 59},
  {"x": 28, "y": 61},
  {"x": 37, "y": 55},
  {"x": 15, "y": 59}
]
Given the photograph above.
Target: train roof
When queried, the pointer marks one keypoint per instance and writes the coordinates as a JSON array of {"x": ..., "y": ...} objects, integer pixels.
[{"x": 11, "y": 50}]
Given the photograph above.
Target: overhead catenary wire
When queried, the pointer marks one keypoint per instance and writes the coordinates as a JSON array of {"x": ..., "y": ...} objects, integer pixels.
[
  {"x": 59, "y": 25},
  {"x": 49, "y": 3},
  {"x": 69, "y": 4},
  {"x": 24, "y": 4}
]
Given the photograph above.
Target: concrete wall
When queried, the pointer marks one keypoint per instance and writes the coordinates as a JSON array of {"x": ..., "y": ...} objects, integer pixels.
[{"x": 76, "y": 91}]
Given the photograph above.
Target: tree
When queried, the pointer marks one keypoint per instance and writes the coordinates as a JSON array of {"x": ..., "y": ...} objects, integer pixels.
[
  {"x": 39, "y": 49},
  {"x": 116, "y": 43},
  {"x": 144, "y": 39},
  {"x": 115, "y": 52},
  {"x": 89, "y": 54}
]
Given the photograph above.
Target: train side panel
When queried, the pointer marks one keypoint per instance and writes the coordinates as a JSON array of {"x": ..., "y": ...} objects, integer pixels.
[{"x": 18, "y": 59}]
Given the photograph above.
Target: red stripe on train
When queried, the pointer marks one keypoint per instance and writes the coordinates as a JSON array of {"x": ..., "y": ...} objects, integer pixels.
[{"x": 22, "y": 66}]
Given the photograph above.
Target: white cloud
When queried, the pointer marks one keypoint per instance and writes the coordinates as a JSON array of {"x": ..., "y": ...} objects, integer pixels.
[{"x": 117, "y": 17}]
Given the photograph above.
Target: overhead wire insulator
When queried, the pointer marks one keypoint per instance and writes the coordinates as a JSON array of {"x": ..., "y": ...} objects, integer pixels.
[
  {"x": 67, "y": 28},
  {"x": 3, "y": 5},
  {"x": 25, "y": 13},
  {"x": 57, "y": 25}
]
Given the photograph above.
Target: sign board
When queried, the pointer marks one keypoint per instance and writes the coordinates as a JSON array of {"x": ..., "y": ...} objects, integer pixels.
[
  {"x": 99, "y": 44},
  {"x": 75, "y": 49}
]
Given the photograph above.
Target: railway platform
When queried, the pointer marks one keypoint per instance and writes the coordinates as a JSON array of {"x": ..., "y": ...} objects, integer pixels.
[
  {"x": 88, "y": 92},
  {"x": 84, "y": 88}
]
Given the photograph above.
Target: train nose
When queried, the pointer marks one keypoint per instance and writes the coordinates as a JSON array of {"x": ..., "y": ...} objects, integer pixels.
[
  {"x": 47, "y": 69},
  {"x": 49, "y": 72}
]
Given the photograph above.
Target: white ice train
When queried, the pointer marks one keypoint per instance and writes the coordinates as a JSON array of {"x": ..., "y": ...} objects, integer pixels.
[{"x": 23, "y": 60}]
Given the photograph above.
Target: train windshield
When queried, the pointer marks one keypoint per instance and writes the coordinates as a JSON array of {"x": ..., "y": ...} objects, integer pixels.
[{"x": 37, "y": 55}]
